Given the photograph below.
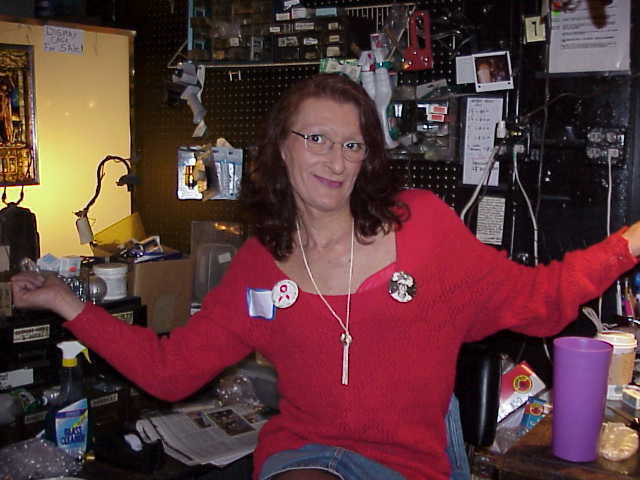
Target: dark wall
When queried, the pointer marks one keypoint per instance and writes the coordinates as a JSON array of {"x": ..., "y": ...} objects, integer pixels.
[
  {"x": 235, "y": 107},
  {"x": 568, "y": 191}
]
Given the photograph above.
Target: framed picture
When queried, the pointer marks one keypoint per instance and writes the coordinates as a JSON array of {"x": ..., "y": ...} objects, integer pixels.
[
  {"x": 18, "y": 152},
  {"x": 492, "y": 71}
]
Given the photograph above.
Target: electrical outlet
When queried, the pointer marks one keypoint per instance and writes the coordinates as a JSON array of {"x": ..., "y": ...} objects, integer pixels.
[{"x": 534, "y": 29}]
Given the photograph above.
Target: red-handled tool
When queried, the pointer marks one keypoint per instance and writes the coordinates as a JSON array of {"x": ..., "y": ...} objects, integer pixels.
[{"x": 417, "y": 55}]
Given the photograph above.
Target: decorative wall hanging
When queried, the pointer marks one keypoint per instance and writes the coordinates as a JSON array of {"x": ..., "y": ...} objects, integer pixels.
[{"x": 18, "y": 151}]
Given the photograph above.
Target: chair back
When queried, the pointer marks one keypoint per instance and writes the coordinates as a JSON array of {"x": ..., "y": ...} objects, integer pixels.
[{"x": 478, "y": 391}]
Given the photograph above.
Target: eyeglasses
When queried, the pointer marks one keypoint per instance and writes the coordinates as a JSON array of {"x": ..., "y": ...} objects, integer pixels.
[{"x": 321, "y": 145}]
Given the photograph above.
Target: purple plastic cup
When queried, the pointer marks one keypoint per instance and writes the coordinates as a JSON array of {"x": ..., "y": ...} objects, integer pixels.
[{"x": 580, "y": 370}]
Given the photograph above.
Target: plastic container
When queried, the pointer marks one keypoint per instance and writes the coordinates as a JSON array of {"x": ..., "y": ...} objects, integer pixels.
[
  {"x": 580, "y": 369},
  {"x": 622, "y": 361},
  {"x": 211, "y": 262},
  {"x": 67, "y": 419},
  {"x": 383, "y": 97},
  {"x": 115, "y": 277}
]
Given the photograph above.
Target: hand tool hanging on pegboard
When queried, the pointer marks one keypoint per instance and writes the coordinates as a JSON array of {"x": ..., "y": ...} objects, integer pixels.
[{"x": 418, "y": 55}]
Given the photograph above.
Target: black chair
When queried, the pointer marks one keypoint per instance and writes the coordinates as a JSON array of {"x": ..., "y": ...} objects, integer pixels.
[{"x": 478, "y": 390}]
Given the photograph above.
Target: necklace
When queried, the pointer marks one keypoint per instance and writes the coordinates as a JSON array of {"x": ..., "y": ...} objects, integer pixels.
[{"x": 345, "y": 337}]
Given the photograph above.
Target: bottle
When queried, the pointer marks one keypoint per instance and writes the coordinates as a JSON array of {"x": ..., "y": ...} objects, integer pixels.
[
  {"x": 67, "y": 420},
  {"x": 383, "y": 97},
  {"x": 367, "y": 66}
]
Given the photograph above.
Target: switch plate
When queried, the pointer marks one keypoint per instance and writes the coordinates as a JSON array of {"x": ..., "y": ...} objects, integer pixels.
[{"x": 534, "y": 29}]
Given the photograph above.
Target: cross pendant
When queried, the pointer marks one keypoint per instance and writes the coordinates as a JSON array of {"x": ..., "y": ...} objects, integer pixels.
[{"x": 346, "y": 340}]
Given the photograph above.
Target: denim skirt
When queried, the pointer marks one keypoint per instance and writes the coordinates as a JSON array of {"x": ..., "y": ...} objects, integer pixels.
[{"x": 344, "y": 464}]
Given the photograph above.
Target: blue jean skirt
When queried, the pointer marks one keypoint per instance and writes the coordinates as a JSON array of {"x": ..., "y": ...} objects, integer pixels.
[{"x": 344, "y": 464}]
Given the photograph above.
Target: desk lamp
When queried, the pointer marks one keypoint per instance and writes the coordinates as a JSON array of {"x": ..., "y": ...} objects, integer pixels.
[{"x": 82, "y": 223}]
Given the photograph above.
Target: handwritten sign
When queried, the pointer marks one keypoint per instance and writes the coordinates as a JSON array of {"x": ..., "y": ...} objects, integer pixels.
[
  {"x": 483, "y": 113},
  {"x": 63, "y": 40}
]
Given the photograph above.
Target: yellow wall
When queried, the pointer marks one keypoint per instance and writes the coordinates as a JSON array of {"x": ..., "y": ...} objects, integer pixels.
[{"x": 82, "y": 115}]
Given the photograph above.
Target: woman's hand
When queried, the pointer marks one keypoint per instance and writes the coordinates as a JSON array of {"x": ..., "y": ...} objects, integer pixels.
[
  {"x": 632, "y": 234},
  {"x": 45, "y": 291}
]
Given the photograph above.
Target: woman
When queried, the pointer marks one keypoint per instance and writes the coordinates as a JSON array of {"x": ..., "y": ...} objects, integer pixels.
[{"x": 365, "y": 374}]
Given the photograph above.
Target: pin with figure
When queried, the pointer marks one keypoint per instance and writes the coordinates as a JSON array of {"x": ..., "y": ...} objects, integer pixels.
[
  {"x": 284, "y": 293},
  {"x": 402, "y": 287}
]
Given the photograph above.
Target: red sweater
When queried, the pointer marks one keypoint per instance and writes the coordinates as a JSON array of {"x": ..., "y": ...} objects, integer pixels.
[{"x": 403, "y": 356}]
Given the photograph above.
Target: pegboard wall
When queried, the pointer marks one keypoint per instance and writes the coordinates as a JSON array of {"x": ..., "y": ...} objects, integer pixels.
[
  {"x": 442, "y": 178},
  {"x": 236, "y": 99}
]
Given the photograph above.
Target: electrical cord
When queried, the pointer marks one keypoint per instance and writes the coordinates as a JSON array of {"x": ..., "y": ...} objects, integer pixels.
[
  {"x": 524, "y": 117},
  {"x": 609, "y": 198},
  {"x": 100, "y": 175},
  {"x": 4, "y": 192},
  {"x": 483, "y": 179},
  {"x": 534, "y": 222}
]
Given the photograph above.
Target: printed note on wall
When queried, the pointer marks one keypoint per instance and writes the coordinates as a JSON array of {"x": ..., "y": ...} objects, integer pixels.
[
  {"x": 592, "y": 37},
  {"x": 482, "y": 116},
  {"x": 490, "y": 222},
  {"x": 63, "y": 40}
]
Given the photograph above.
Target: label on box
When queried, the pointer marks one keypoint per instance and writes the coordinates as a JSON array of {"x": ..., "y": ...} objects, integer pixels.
[
  {"x": 31, "y": 334},
  {"x": 300, "y": 12},
  {"x": 436, "y": 117},
  {"x": 126, "y": 317},
  {"x": 516, "y": 386},
  {"x": 35, "y": 417},
  {"x": 16, "y": 378},
  {"x": 439, "y": 109},
  {"x": 631, "y": 396},
  {"x": 224, "y": 257},
  {"x": 304, "y": 26},
  {"x": 333, "y": 51},
  {"x": 291, "y": 41},
  {"x": 310, "y": 41},
  {"x": 327, "y": 12},
  {"x": 234, "y": 42},
  {"x": 333, "y": 26},
  {"x": 104, "y": 400},
  {"x": 275, "y": 29},
  {"x": 283, "y": 16},
  {"x": 534, "y": 411},
  {"x": 333, "y": 38}
]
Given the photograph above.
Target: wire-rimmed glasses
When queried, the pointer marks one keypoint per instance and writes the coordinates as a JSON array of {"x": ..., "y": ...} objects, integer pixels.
[{"x": 321, "y": 144}]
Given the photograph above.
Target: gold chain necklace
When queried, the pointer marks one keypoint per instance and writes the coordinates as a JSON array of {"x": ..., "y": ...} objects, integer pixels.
[{"x": 345, "y": 337}]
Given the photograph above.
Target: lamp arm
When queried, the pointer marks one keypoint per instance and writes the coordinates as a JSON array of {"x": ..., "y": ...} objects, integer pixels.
[{"x": 99, "y": 177}]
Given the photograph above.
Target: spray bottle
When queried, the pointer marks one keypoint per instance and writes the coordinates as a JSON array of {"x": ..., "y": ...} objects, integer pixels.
[{"x": 67, "y": 420}]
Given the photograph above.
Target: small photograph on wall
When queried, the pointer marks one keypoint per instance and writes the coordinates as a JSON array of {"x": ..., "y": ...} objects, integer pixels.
[
  {"x": 18, "y": 152},
  {"x": 492, "y": 71}
]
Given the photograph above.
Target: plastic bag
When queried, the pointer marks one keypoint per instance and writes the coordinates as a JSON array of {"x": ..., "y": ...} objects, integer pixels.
[
  {"x": 617, "y": 441},
  {"x": 35, "y": 458},
  {"x": 233, "y": 389}
]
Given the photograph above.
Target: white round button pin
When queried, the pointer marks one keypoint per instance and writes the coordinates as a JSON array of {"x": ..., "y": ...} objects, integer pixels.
[
  {"x": 402, "y": 287},
  {"x": 284, "y": 293}
]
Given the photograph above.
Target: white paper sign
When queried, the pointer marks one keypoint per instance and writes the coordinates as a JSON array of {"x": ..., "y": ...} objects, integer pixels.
[
  {"x": 482, "y": 116},
  {"x": 490, "y": 224},
  {"x": 63, "y": 40},
  {"x": 582, "y": 43}
]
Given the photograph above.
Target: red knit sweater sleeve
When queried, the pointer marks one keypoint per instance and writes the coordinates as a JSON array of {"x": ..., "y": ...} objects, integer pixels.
[
  {"x": 174, "y": 366},
  {"x": 541, "y": 301},
  {"x": 503, "y": 294}
]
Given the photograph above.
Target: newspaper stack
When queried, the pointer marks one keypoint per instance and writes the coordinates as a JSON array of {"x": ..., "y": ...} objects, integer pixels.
[{"x": 197, "y": 435}]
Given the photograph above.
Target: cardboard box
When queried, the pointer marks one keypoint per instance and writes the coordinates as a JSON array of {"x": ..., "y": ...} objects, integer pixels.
[
  {"x": 516, "y": 386},
  {"x": 165, "y": 287}
]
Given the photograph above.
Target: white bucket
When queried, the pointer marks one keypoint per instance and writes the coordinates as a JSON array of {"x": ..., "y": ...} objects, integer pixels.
[
  {"x": 622, "y": 360},
  {"x": 115, "y": 276}
]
